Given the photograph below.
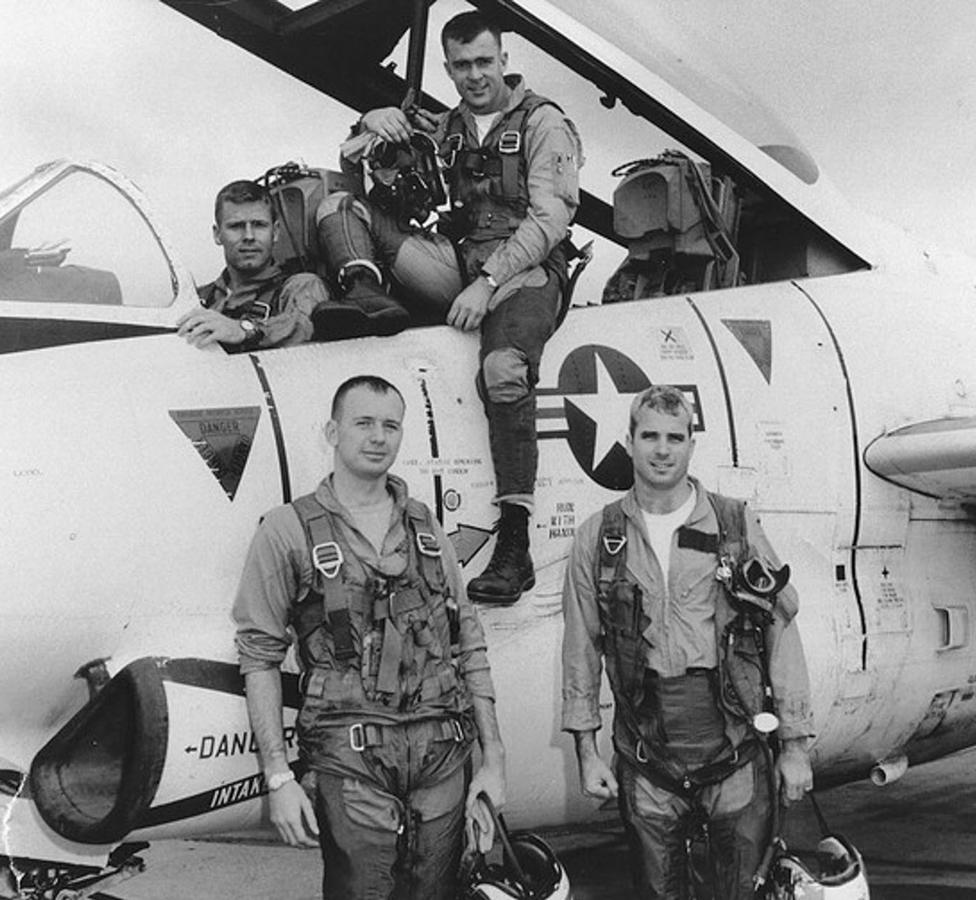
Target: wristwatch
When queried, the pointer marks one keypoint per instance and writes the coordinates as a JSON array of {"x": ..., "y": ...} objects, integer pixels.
[
  {"x": 252, "y": 333},
  {"x": 279, "y": 779},
  {"x": 491, "y": 280}
]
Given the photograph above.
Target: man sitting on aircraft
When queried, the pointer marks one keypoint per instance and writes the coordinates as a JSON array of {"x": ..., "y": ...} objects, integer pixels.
[
  {"x": 511, "y": 160},
  {"x": 396, "y": 682},
  {"x": 676, "y": 587},
  {"x": 251, "y": 305}
]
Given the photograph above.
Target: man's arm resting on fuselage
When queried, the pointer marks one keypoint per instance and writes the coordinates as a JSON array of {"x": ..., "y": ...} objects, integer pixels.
[{"x": 292, "y": 813}]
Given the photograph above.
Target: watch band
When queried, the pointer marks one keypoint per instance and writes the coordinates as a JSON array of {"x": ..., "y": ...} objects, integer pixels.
[
  {"x": 279, "y": 779},
  {"x": 252, "y": 332}
]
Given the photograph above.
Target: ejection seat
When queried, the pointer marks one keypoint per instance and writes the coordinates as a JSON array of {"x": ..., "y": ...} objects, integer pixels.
[{"x": 679, "y": 225}]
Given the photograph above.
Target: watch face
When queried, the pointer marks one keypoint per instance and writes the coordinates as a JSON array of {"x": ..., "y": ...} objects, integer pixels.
[{"x": 247, "y": 325}]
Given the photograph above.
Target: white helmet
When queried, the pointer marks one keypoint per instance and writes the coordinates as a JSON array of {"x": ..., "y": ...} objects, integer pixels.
[
  {"x": 529, "y": 871},
  {"x": 838, "y": 874}
]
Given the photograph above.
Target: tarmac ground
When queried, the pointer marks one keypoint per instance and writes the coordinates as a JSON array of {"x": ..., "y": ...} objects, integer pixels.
[{"x": 917, "y": 837}]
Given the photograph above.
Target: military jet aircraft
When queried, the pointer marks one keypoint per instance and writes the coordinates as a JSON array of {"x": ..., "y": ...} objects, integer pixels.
[{"x": 827, "y": 359}]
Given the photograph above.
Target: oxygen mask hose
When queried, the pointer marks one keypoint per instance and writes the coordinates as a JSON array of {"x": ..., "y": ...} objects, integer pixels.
[{"x": 775, "y": 820}]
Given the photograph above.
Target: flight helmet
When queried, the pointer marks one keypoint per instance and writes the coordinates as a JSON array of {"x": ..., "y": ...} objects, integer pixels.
[
  {"x": 836, "y": 873},
  {"x": 529, "y": 870}
]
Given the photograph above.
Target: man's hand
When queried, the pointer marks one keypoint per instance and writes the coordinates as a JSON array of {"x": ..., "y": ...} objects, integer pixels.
[
  {"x": 793, "y": 769},
  {"x": 203, "y": 327},
  {"x": 389, "y": 122},
  {"x": 425, "y": 121},
  {"x": 597, "y": 778},
  {"x": 490, "y": 780},
  {"x": 470, "y": 307},
  {"x": 293, "y": 815}
]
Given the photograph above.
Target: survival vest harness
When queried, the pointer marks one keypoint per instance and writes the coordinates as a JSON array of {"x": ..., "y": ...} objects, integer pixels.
[
  {"x": 743, "y": 680},
  {"x": 259, "y": 309},
  {"x": 400, "y": 633},
  {"x": 488, "y": 184}
]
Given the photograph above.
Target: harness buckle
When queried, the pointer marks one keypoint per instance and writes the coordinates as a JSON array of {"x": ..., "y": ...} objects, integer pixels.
[
  {"x": 428, "y": 545},
  {"x": 458, "y": 731},
  {"x": 510, "y": 142},
  {"x": 640, "y": 752},
  {"x": 614, "y": 543},
  {"x": 357, "y": 737},
  {"x": 263, "y": 308},
  {"x": 327, "y": 559},
  {"x": 454, "y": 144}
]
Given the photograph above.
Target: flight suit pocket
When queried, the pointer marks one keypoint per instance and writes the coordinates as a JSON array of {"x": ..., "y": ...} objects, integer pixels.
[
  {"x": 733, "y": 794},
  {"x": 439, "y": 799},
  {"x": 371, "y": 808},
  {"x": 565, "y": 176}
]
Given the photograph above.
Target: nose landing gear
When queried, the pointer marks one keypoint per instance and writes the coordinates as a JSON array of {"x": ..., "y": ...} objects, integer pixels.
[{"x": 28, "y": 879}]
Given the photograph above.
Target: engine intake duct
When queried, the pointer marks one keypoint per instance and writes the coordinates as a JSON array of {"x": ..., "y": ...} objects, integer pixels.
[{"x": 97, "y": 775}]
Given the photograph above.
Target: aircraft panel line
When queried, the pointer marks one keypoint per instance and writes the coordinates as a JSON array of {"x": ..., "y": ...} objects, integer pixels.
[
  {"x": 733, "y": 442},
  {"x": 855, "y": 443},
  {"x": 276, "y": 427}
]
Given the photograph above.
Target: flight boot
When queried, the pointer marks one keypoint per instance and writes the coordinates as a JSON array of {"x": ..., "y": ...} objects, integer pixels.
[
  {"x": 510, "y": 570},
  {"x": 363, "y": 305}
]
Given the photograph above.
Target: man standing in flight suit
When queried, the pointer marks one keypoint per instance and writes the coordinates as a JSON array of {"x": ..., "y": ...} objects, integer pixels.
[
  {"x": 644, "y": 590},
  {"x": 251, "y": 305},
  {"x": 395, "y": 682},
  {"x": 512, "y": 161}
]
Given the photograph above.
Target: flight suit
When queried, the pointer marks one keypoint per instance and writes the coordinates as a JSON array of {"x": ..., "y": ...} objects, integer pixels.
[
  {"x": 389, "y": 769},
  {"x": 683, "y": 615}
]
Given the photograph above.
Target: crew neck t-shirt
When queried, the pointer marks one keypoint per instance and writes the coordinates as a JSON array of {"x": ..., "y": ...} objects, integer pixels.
[
  {"x": 662, "y": 526},
  {"x": 373, "y": 521},
  {"x": 483, "y": 123}
]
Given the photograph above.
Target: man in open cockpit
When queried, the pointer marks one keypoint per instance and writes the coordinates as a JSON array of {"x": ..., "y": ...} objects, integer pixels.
[{"x": 251, "y": 304}]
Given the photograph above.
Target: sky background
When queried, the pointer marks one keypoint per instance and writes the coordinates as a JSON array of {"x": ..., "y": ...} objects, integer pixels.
[{"x": 883, "y": 92}]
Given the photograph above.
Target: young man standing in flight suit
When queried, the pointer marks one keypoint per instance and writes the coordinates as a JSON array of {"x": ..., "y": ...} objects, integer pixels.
[
  {"x": 251, "y": 305},
  {"x": 644, "y": 591},
  {"x": 395, "y": 682},
  {"x": 512, "y": 161}
]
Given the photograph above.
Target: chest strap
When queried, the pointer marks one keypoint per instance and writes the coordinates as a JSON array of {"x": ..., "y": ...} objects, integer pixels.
[
  {"x": 611, "y": 562},
  {"x": 328, "y": 558},
  {"x": 260, "y": 309},
  {"x": 498, "y": 158}
]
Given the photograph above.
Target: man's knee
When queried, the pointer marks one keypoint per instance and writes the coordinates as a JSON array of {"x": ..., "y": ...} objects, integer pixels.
[
  {"x": 505, "y": 375},
  {"x": 342, "y": 201}
]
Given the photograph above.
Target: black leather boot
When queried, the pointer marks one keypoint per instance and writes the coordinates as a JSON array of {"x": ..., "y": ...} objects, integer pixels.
[
  {"x": 510, "y": 570},
  {"x": 362, "y": 290},
  {"x": 363, "y": 305}
]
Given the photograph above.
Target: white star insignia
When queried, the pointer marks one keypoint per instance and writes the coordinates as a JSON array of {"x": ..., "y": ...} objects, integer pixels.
[{"x": 608, "y": 409}]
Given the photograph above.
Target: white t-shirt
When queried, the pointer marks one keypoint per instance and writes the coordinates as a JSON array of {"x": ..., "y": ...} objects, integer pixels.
[
  {"x": 483, "y": 123},
  {"x": 661, "y": 528},
  {"x": 373, "y": 520}
]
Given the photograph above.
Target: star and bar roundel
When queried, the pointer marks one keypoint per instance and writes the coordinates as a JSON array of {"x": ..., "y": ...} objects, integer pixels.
[{"x": 589, "y": 408}]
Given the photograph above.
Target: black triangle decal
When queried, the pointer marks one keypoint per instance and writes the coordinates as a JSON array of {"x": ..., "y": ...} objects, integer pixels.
[
  {"x": 223, "y": 438},
  {"x": 756, "y": 336}
]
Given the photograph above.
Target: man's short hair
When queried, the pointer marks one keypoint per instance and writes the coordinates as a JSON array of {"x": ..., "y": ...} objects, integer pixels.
[
  {"x": 466, "y": 26},
  {"x": 242, "y": 192},
  {"x": 664, "y": 398},
  {"x": 372, "y": 382}
]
